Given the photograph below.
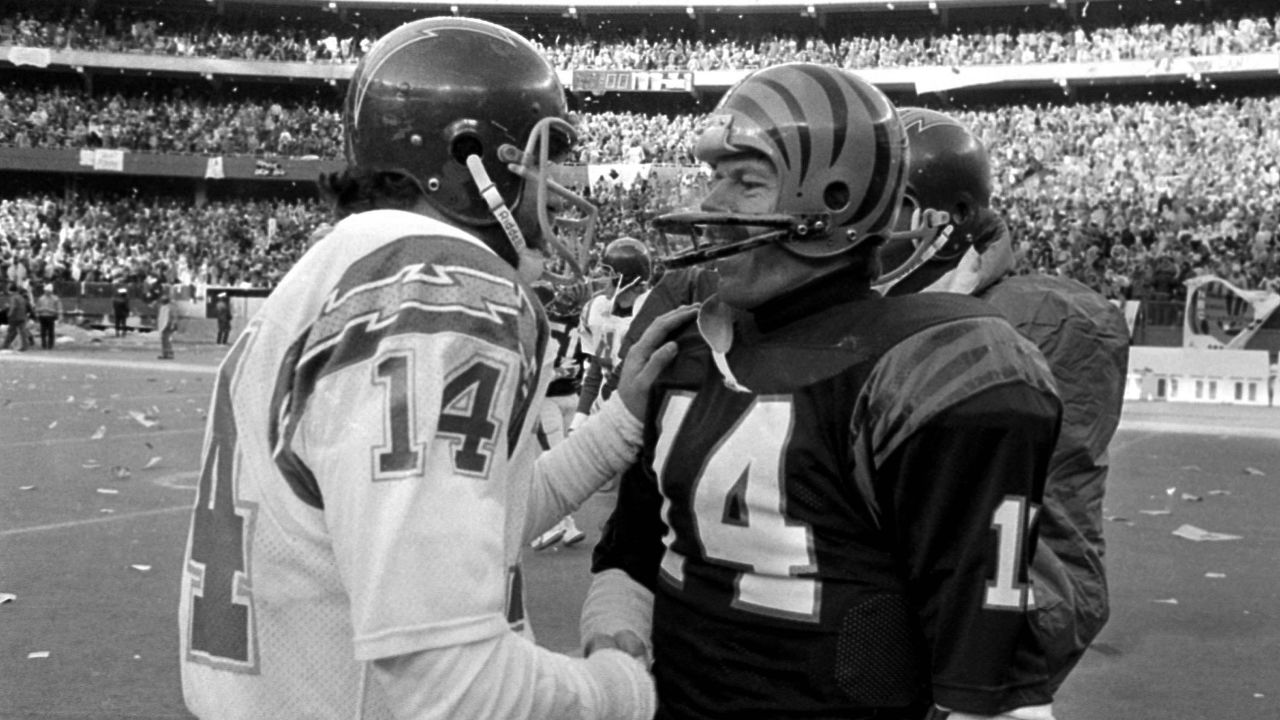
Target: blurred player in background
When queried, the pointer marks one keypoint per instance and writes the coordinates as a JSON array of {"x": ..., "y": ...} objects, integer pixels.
[
  {"x": 564, "y": 312},
  {"x": 1083, "y": 336},
  {"x": 604, "y": 321},
  {"x": 833, "y": 511},
  {"x": 368, "y": 476},
  {"x": 607, "y": 316}
]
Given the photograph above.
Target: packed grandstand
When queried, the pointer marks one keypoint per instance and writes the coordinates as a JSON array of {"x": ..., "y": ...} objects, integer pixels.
[{"x": 219, "y": 115}]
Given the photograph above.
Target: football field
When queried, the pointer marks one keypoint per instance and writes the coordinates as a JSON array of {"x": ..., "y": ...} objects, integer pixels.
[{"x": 99, "y": 452}]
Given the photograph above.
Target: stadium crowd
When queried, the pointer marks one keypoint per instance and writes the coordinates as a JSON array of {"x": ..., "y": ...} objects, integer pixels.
[
  {"x": 1125, "y": 246},
  {"x": 1131, "y": 198},
  {"x": 59, "y": 118},
  {"x": 1241, "y": 29},
  {"x": 126, "y": 239}
]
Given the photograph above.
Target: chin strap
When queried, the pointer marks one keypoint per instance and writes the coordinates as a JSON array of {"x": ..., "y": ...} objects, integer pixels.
[{"x": 497, "y": 205}]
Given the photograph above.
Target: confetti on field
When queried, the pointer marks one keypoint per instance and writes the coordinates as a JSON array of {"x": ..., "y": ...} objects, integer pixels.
[
  {"x": 1191, "y": 532},
  {"x": 1155, "y": 512},
  {"x": 26, "y": 487},
  {"x": 142, "y": 419},
  {"x": 141, "y": 568},
  {"x": 1215, "y": 575},
  {"x": 1166, "y": 601},
  {"x": 1219, "y": 492},
  {"x": 108, "y": 511},
  {"x": 89, "y": 404},
  {"x": 90, "y": 376},
  {"x": 7, "y": 598},
  {"x": 53, "y": 424},
  {"x": 71, "y": 398},
  {"x": 121, "y": 472},
  {"x": 100, "y": 433},
  {"x": 1191, "y": 498},
  {"x": 1197, "y": 468},
  {"x": 1255, "y": 471},
  {"x": 91, "y": 465},
  {"x": 152, "y": 462},
  {"x": 108, "y": 491},
  {"x": 37, "y": 655}
]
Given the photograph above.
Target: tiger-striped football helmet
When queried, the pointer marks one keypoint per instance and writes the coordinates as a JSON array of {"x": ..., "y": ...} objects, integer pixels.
[{"x": 839, "y": 150}]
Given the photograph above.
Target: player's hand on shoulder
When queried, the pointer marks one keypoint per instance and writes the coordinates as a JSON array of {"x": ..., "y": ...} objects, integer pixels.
[{"x": 648, "y": 357}]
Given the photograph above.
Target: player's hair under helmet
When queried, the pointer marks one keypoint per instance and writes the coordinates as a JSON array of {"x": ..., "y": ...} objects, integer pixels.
[
  {"x": 948, "y": 188},
  {"x": 475, "y": 114},
  {"x": 839, "y": 150},
  {"x": 628, "y": 260}
]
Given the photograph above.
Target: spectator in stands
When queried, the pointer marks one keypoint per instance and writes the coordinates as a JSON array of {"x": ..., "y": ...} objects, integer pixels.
[
  {"x": 120, "y": 311},
  {"x": 19, "y": 310},
  {"x": 167, "y": 325},
  {"x": 48, "y": 312},
  {"x": 222, "y": 312}
]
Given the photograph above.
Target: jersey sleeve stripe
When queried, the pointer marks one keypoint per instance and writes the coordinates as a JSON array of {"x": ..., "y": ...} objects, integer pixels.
[{"x": 939, "y": 367}]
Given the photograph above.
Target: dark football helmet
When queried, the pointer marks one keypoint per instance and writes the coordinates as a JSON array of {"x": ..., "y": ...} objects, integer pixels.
[
  {"x": 948, "y": 188},
  {"x": 562, "y": 299},
  {"x": 628, "y": 262},
  {"x": 477, "y": 116},
  {"x": 839, "y": 150}
]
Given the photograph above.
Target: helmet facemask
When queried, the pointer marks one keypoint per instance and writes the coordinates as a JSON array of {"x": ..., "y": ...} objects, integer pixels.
[
  {"x": 925, "y": 230},
  {"x": 564, "y": 238}
]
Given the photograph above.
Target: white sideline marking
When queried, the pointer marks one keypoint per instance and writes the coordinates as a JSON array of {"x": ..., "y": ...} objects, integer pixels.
[
  {"x": 175, "y": 480},
  {"x": 95, "y": 521},
  {"x": 149, "y": 365},
  {"x": 88, "y": 439},
  {"x": 1200, "y": 428}
]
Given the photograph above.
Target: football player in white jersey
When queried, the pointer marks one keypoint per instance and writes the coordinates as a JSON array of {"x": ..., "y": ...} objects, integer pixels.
[
  {"x": 368, "y": 476},
  {"x": 603, "y": 323}
]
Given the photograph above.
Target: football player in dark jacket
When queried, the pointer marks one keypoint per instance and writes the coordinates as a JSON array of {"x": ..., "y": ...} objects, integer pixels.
[
  {"x": 836, "y": 504},
  {"x": 1082, "y": 335}
]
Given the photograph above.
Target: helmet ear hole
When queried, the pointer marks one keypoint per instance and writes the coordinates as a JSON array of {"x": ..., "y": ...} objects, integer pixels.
[
  {"x": 465, "y": 145},
  {"x": 836, "y": 196}
]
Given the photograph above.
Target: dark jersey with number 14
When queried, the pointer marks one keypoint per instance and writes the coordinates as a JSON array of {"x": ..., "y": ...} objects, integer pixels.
[{"x": 849, "y": 537}]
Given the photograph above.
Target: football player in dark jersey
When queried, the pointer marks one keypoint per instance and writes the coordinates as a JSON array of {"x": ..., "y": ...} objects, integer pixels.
[
  {"x": 836, "y": 503},
  {"x": 1083, "y": 336},
  {"x": 563, "y": 303}
]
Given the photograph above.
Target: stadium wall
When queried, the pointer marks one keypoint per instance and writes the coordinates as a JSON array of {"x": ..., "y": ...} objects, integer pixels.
[{"x": 1233, "y": 377}]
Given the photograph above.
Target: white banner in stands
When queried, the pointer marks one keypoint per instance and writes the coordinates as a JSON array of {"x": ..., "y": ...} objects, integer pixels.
[
  {"x": 1234, "y": 377},
  {"x": 111, "y": 160}
]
